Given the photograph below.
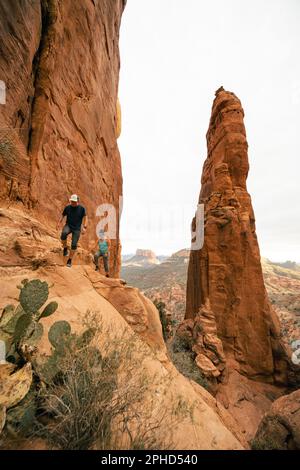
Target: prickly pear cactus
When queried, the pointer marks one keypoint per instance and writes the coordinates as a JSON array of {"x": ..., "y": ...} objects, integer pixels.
[
  {"x": 9, "y": 318},
  {"x": 21, "y": 418},
  {"x": 2, "y": 417},
  {"x": 2, "y": 352},
  {"x": 49, "y": 310},
  {"x": 22, "y": 324},
  {"x": 11, "y": 325},
  {"x": 58, "y": 334},
  {"x": 60, "y": 337},
  {"x": 33, "y": 333},
  {"x": 19, "y": 327},
  {"x": 14, "y": 387},
  {"x": 12, "y": 355},
  {"x": 33, "y": 295},
  {"x": 48, "y": 369},
  {"x": 20, "y": 331},
  {"x": 6, "y": 315},
  {"x": 6, "y": 370},
  {"x": 62, "y": 340}
]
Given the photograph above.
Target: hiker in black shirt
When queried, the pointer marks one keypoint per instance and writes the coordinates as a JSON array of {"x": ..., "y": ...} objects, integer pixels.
[{"x": 75, "y": 214}]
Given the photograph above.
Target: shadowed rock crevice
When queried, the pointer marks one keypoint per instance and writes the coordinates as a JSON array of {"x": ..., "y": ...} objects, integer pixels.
[{"x": 42, "y": 67}]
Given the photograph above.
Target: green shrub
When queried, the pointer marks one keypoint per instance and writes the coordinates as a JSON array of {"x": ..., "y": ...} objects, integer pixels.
[
  {"x": 165, "y": 323},
  {"x": 20, "y": 327},
  {"x": 183, "y": 359},
  {"x": 95, "y": 400},
  {"x": 265, "y": 443}
]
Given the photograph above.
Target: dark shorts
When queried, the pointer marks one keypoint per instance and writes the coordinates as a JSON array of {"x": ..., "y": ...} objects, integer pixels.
[{"x": 75, "y": 236}]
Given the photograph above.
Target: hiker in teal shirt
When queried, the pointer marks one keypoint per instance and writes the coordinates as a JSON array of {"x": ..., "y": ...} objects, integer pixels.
[{"x": 102, "y": 246}]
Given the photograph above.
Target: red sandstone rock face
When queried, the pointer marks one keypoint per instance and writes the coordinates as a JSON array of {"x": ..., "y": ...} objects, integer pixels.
[
  {"x": 280, "y": 427},
  {"x": 201, "y": 333},
  {"x": 226, "y": 273},
  {"x": 60, "y": 63}
]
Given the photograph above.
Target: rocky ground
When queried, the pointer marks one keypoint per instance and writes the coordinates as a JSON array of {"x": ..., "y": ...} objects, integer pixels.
[
  {"x": 167, "y": 283},
  {"x": 283, "y": 287},
  {"x": 122, "y": 310}
]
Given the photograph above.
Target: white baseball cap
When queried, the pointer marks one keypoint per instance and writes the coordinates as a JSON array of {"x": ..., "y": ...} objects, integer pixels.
[{"x": 74, "y": 198}]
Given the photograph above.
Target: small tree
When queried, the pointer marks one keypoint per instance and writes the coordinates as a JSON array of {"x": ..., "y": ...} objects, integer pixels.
[{"x": 165, "y": 323}]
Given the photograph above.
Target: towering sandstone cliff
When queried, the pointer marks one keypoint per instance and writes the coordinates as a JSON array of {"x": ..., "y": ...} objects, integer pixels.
[
  {"x": 227, "y": 309},
  {"x": 58, "y": 128}
]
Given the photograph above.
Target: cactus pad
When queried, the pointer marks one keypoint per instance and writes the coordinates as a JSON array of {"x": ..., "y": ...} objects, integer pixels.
[
  {"x": 33, "y": 333},
  {"x": 21, "y": 327},
  {"x": 13, "y": 388},
  {"x": 2, "y": 417},
  {"x": 58, "y": 333},
  {"x": 7, "y": 314},
  {"x": 21, "y": 417},
  {"x": 49, "y": 309},
  {"x": 33, "y": 295}
]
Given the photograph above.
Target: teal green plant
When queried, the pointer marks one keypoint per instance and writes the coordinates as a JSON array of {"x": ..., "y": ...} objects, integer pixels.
[
  {"x": 22, "y": 417},
  {"x": 20, "y": 325},
  {"x": 59, "y": 334},
  {"x": 62, "y": 340}
]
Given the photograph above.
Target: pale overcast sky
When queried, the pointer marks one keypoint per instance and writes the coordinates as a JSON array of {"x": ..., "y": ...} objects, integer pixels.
[{"x": 174, "y": 55}]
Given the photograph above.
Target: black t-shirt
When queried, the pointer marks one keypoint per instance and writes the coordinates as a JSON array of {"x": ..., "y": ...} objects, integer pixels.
[{"x": 74, "y": 216}]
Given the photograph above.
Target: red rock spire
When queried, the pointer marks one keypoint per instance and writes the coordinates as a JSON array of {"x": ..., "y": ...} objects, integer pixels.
[{"x": 226, "y": 296}]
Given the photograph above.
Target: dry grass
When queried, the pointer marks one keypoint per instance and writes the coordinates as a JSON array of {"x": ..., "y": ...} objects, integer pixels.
[{"x": 106, "y": 401}]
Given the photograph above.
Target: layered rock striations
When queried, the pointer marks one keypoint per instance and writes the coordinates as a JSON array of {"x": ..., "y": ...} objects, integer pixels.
[
  {"x": 228, "y": 314},
  {"x": 60, "y": 65}
]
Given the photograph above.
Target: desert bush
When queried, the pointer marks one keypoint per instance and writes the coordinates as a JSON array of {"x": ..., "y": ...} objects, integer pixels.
[
  {"x": 162, "y": 316},
  {"x": 265, "y": 443},
  {"x": 81, "y": 398},
  {"x": 269, "y": 435},
  {"x": 99, "y": 400},
  {"x": 20, "y": 328},
  {"x": 183, "y": 359}
]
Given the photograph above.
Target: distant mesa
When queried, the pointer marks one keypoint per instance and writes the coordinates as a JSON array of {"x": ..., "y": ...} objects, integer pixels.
[
  {"x": 184, "y": 253},
  {"x": 287, "y": 264},
  {"x": 142, "y": 258}
]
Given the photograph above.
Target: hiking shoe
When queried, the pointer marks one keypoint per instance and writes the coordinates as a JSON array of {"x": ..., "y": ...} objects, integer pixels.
[
  {"x": 65, "y": 252},
  {"x": 69, "y": 263},
  {"x": 107, "y": 275},
  {"x": 96, "y": 268}
]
